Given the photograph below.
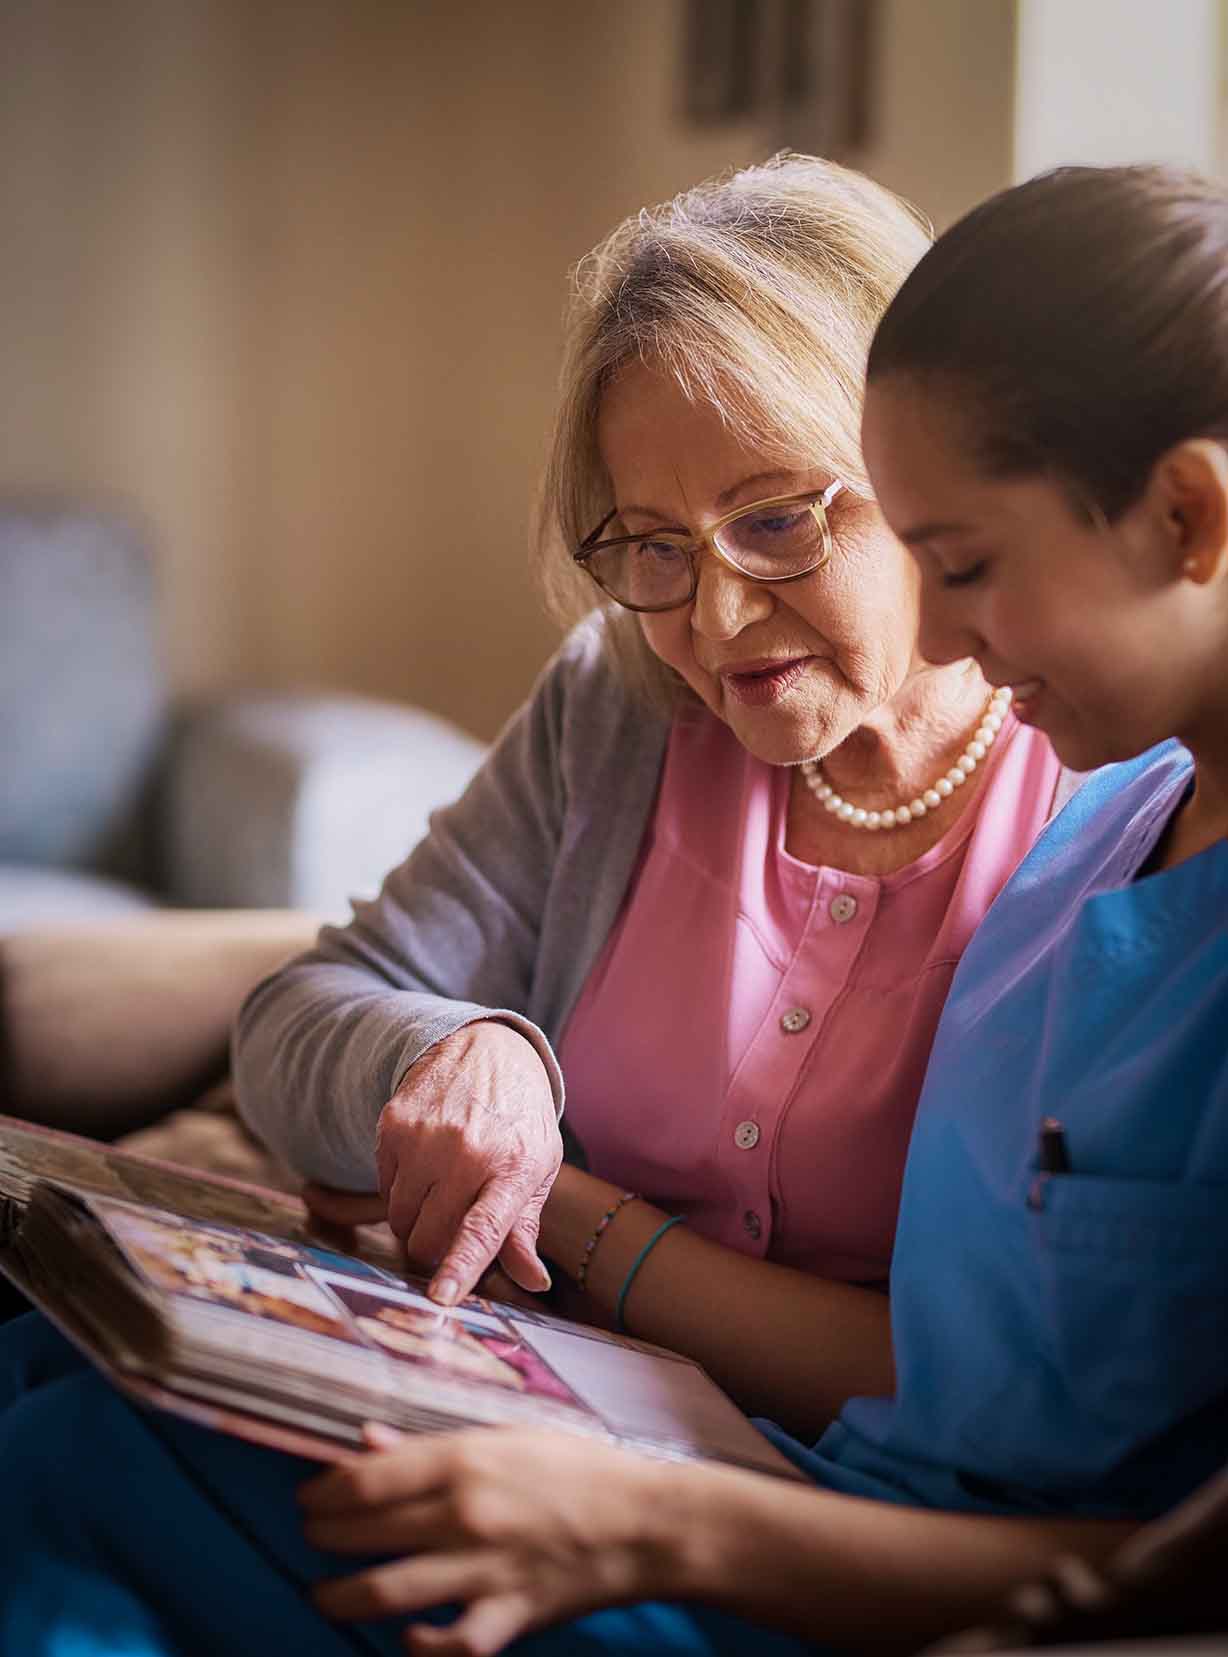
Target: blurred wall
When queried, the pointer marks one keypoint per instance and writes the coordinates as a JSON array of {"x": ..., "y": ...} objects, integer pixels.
[
  {"x": 287, "y": 277},
  {"x": 943, "y": 102},
  {"x": 1114, "y": 81},
  {"x": 119, "y": 292}
]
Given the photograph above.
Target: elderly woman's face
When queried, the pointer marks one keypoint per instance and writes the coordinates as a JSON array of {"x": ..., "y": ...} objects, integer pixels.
[{"x": 791, "y": 668}]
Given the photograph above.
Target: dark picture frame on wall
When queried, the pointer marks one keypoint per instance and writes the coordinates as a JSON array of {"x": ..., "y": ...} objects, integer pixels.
[{"x": 802, "y": 68}]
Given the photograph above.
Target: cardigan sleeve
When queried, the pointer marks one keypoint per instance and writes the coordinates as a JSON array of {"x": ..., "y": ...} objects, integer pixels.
[{"x": 454, "y": 936}]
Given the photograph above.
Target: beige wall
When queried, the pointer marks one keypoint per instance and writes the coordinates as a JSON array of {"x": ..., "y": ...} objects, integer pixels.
[
  {"x": 118, "y": 285},
  {"x": 287, "y": 277}
]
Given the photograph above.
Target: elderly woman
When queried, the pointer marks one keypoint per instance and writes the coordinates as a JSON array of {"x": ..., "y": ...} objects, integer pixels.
[{"x": 717, "y": 874}]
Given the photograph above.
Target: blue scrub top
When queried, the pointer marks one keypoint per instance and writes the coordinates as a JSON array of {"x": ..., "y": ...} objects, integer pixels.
[{"x": 1061, "y": 1338}]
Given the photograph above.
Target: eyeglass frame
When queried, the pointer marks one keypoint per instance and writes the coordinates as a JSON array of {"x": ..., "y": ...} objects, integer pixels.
[{"x": 692, "y": 545}]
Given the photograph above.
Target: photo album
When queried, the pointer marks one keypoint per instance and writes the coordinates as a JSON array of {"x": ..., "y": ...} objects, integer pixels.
[{"x": 215, "y": 1300}]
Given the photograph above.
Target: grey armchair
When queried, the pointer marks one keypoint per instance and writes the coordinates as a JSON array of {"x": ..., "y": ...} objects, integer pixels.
[{"x": 111, "y": 800}]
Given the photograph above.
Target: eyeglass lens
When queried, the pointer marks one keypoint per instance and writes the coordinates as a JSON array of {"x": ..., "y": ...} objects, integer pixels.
[{"x": 771, "y": 542}]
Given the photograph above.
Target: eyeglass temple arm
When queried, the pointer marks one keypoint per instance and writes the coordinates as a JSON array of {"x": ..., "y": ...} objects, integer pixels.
[{"x": 594, "y": 536}]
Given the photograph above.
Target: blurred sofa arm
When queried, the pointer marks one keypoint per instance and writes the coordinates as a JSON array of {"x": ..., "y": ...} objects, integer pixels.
[
  {"x": 300, "y": 801},
  {"x": 108, "y": 1024}
]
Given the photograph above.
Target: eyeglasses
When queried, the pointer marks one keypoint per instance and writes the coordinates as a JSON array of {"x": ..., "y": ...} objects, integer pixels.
[{"x": 781, "y": 539}]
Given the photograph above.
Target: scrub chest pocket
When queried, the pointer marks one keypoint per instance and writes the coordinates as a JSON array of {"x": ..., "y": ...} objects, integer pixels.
[{"x": 1132, "y": 1275}]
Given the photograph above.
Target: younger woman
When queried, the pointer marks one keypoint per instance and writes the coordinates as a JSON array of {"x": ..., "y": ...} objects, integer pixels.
[{"x": 1045, "y": 428}]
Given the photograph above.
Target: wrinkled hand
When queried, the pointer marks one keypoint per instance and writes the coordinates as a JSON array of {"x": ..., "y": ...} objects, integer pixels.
[
  {"x": 466, "y": 1152},
  {"x": 484, "y": 1529},
  {"x": 338, "y": 1212}
]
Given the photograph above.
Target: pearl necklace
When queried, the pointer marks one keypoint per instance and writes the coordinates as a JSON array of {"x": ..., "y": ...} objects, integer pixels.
[{"x": 931, "y": 798}]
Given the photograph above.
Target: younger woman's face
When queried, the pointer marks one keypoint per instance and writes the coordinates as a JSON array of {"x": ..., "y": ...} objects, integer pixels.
[{"x": 1107, "y": 648}]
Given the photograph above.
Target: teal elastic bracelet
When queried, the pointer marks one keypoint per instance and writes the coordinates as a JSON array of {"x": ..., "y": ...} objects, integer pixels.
[{"x": 635, "y": 1266}]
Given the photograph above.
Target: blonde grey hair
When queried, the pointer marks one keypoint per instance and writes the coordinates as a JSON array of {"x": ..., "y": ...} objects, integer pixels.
[{"x": 758, "y": 292}]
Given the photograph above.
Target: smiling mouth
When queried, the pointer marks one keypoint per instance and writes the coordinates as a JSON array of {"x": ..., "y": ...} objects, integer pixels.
[
  {"x": 1026, "y": 690},
  {"x": 1025, "y": 699}
]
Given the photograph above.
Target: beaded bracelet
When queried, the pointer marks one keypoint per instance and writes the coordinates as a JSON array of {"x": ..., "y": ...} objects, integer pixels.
[
  {"x": 599, "y": 1232},
  {"x": 635, "y": 1266}
]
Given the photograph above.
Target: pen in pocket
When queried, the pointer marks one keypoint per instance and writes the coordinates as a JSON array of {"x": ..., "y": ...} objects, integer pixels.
[{"x": 1052, "y": 1156}]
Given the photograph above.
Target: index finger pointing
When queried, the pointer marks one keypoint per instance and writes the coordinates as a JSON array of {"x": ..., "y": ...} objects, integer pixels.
[{"x": 479, "y": 1238}]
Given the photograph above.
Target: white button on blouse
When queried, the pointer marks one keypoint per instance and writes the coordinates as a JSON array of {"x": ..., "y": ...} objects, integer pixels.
[
  {"x": 746, "y": 1135},
  {"x": 843, "y": 908},
  {"x": 797, "y": 1018}
]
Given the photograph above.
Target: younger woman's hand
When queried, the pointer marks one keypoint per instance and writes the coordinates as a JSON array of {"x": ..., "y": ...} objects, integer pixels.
[
  {"x": 521, "y": 1528},
  {"x": 497, "y": 1285}
]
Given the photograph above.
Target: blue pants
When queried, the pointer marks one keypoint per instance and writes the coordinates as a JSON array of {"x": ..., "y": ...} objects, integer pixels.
[{"x": 134, "y": 1533}]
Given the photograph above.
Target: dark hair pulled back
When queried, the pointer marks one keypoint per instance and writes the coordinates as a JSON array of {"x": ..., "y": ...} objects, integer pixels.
[{"x": 1081, "y": 319}]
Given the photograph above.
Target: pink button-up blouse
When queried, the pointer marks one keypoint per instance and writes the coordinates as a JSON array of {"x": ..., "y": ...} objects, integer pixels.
[{"x": 749, "y": 1047}]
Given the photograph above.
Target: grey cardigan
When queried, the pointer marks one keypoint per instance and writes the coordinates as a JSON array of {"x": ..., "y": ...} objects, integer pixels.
[{"x": 499, "y": 912}]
